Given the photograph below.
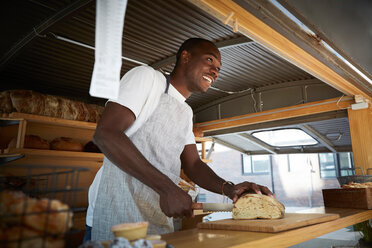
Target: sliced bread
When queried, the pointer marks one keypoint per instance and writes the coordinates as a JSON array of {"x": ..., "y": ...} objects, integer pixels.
[{"x": 255, "y": 206}]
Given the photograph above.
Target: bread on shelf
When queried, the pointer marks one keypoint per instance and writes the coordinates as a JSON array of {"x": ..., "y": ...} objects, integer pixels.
[
  {"x": 31, "y": 142},
  {"x": 66, "y": 144},
  {"x": 31, "y": 102}
]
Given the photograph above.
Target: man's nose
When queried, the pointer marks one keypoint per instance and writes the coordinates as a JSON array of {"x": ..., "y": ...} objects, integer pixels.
[{"x": 214, "y": 72}]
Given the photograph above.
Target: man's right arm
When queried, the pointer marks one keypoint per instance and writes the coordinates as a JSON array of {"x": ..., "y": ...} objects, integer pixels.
[{"x": 110, "y": 137}]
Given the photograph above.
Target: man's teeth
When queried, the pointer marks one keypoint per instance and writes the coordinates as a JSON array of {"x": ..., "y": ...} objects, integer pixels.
[{"x": 208, "y": 79}]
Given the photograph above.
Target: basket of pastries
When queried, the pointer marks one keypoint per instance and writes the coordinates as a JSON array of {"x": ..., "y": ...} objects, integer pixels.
[{"x": 37, "y": 205}]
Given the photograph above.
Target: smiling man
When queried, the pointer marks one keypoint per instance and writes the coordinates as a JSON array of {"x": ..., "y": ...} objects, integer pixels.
[{"x": 146, "y": 136}]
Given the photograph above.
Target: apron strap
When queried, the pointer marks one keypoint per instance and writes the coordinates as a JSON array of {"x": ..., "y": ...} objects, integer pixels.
[{"x": 168, "y": 83}]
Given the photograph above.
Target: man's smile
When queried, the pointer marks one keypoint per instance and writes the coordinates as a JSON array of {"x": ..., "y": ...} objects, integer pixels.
[{"x": 209, "y": 79}]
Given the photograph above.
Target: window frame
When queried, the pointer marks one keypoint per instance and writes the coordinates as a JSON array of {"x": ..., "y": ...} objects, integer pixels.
[
  {"x": 337, "y": 169},
  {"x": 252, "y": 169},
  {"x": 290, "y": 128}
]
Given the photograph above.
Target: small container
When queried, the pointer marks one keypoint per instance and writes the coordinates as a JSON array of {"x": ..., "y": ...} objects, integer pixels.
[
  {"x": 153, "y": 237},
  {"x": 158, "y": 243},
  {"x": 130, "y": 231}
]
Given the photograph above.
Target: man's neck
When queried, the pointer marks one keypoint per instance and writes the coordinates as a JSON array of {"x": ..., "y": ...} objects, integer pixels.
[{"x": 178, "y": 81}]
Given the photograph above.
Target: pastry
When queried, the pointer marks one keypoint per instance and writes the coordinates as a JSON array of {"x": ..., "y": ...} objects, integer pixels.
[
  {"x": 50, "y": 215},
  {"x": 23, "y": 237}
]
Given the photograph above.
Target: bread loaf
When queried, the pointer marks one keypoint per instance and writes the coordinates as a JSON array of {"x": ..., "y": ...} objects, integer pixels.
[
  {"x": 30, "y": 102},
  {"x": 255, "y": 206},
  {"x": 32, "y": 142},
  {"x": 66, "y": 144}
]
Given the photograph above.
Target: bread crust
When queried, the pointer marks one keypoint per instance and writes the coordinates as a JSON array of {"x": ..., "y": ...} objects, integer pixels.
[
  {"x": 351, "y": 185},
  {"x": 66, "y": 144},
  {"x": 256, "y": 206},
  {"x": 31, "y": 142}
]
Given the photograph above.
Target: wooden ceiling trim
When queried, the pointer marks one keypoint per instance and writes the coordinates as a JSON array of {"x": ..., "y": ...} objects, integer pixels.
[
  {"x": 277, "y": 114},
  {"x": 257, "y": 30}
]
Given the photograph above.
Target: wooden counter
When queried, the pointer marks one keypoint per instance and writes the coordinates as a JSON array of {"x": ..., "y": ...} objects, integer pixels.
[{"x": 222, "y": 238}]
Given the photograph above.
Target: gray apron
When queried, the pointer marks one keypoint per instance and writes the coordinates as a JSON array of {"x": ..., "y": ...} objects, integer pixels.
[{"x": 121, "y": 197}]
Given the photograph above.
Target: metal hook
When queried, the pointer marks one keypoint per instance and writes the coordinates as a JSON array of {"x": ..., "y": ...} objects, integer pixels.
[{"x": 37, "y": 34}]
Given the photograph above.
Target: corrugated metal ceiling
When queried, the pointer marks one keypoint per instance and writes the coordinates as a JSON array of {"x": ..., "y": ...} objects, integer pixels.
[{"x": 153, "y": 31}]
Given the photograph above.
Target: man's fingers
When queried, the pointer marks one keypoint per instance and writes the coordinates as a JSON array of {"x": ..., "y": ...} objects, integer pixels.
[
  {"x": 266, "y": 191},
  {"x": 255, "y": 188}
]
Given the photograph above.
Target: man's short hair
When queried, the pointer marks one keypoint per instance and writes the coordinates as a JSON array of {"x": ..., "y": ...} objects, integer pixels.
[{"x": 189, "y": 44}]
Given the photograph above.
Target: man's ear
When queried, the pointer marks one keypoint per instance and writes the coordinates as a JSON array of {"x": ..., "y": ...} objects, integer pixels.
[{"x": 185, "y": 55}]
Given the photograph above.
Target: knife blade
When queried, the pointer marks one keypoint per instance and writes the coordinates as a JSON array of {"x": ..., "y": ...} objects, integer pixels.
[{"x": 213, "y": 207}]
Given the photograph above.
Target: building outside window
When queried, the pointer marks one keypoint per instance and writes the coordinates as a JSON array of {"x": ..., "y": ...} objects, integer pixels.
[
  {"x": 346, "y": 163},
  {"x": 335, "y": 164},
  {"x": 327, "y": 163},
  {"x": 256, "y": 164}
]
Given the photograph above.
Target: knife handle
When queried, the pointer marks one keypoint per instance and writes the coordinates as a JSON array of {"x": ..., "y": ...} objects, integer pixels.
[{"x": 197, "y": 206}]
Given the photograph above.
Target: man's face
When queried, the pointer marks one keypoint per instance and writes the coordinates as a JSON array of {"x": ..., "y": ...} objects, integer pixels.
[{"x": 203, "y": 66}]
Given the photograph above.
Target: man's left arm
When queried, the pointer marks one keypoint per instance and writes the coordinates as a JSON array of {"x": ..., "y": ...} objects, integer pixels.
[{"x": 204, "y": 176}]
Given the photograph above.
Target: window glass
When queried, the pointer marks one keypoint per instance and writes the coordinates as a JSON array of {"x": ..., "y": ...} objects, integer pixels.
[
  {"x": 256, "y": 164},
  {"x": 327, "y": 165},
  {"x": 345, "y": 160},
  {"x": 247, "y": 164},
  {"x": 261, "y": 163},
  {"x": 202, "y": 197},
  {"x": 346, "y": 164},
  {"x": 327, "y": 161},
  {"x": 328, "y": 173}
]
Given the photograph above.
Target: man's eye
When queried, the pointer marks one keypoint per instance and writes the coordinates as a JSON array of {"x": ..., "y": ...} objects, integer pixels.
[{"x": 210, "y": 59}]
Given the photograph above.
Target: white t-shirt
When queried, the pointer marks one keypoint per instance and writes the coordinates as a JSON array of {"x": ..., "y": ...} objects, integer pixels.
[{"x": 140, "y": 91}]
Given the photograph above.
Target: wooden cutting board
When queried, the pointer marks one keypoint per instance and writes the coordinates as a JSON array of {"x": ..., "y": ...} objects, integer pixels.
[{"x": 290, "y": 221}]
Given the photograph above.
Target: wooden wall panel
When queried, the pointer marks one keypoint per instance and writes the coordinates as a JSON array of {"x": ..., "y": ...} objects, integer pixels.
[{"x": 360, "y": 122}]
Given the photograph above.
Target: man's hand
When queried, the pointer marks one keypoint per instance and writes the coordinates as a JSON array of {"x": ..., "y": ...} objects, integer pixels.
[
  {"x": 246, "y": 187},
  {"x": 176, "y": 203}
]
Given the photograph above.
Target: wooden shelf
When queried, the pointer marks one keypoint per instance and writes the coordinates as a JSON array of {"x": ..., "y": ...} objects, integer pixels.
[
  {"x": 202, "y": 139},
  {"x": 52, "y": 120},
  {"x": 54, "y": 154}
]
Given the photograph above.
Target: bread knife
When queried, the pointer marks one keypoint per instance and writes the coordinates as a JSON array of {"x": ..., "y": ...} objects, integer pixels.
[{"x": 213, "y": 207}]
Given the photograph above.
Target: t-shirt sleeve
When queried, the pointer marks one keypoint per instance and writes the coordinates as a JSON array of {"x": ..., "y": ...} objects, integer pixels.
[{"x": 135, "y": 88}]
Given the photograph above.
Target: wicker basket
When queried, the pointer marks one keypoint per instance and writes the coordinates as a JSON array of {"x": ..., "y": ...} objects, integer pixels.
[
  {"x": 356, "y": 178},
  {"x": 32, "y": 194}
]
